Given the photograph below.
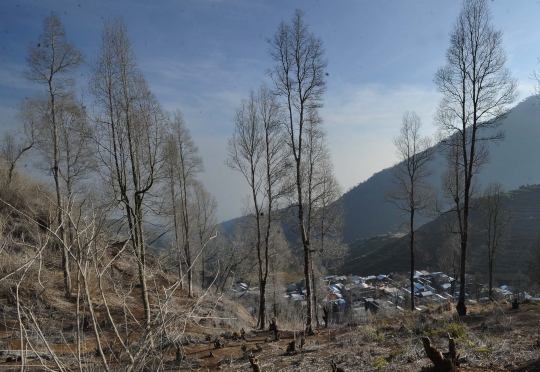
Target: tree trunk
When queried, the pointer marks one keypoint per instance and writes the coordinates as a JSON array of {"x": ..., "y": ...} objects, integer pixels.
[
  {"x": 490, "y": 279},
  {"x": 59, "y": 209},
  {"x": 135, "y": 224},
  {"x": 412, "y": 260},
  {"x": 461, "y": 307},
  {"x": 309, "y": 295},
  {"x": 262, "y": 304}
]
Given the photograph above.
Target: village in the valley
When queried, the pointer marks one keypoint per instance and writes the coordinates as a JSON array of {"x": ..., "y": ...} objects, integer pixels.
[{"x": 350, "y": 297}]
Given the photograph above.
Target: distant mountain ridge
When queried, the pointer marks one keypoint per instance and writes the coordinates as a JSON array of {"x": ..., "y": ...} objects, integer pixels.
[{"x": 514, "y": 162}]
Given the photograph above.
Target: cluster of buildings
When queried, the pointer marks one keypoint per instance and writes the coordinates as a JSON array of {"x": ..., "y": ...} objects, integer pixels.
[
  {"x": 354, "y": 295},
  {"x": 382, "y": 291}
]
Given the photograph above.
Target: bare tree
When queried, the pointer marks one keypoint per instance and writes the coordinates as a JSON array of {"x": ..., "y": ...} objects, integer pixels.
[
  {"x": 129, "y": 129},
  {"x": 449, "y": 259},
  {"x": 75, "y": 147},
  {"x": 298, "y": 76},
  {"x": 11, "y": 150},
  {"x": 256, "y": 151},
  {"x": 236, "y": 255},
  {"x": 496, "y": 221},
  {"x": 412, "y": 194},
  {"x": 476, "y": 88},
  {"x": 52, "y": 61},
  {"x": 186, "y": 164},
  {"x": 75, "y": 150},
  {"x": 205, "y": 225},
  {"x": 323, "y": 211}
]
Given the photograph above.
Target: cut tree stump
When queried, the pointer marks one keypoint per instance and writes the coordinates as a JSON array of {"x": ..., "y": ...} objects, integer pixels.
[
  {"x": 254, "y": 361},
  {"x": 291, "y": 347},
  {"x": 442, "y": 363},
  {"x": 274, "y": 328},
  {"x": 334, "y": 366}
]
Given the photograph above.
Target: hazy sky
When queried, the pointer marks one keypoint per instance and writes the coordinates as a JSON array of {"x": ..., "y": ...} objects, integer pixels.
[{"x": 203, "y": 57}]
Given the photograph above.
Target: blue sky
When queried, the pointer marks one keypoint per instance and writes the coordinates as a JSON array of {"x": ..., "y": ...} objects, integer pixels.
[{"x": 203, "y": 57}]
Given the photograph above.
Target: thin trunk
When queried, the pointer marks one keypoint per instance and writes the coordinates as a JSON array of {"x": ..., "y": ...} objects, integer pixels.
[
  {"x": 176, "y": 236},
  {"x": 461, "y": 307},
  {"x": 21, "y": 333},
  {"x": 59, "y": 208},
  {"x": 314, "y": 287},
  {"x": 78, "y": 317},
  {"x": 412, "y": 259},
  {"x": 94, "y": 323},
  {"x": 134, "y": 223},
  {"x": 203, "y": 286},
  {"x": 490, "y": 278},
  {"x": 185, "y": 216}
]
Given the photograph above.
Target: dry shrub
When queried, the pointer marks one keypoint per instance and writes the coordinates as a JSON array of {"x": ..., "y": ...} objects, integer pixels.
[{"x": 28, "y": 198}]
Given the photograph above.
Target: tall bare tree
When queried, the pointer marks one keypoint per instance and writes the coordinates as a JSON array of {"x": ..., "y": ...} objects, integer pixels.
[
  {"x": 256, "y": 151},
  {"x": 184, "y": 165},
  {"x": 205, "y": 225},
  {"x": 323, "y": 211},
  {"x": 52, "y": 61},
  {"x": 412, "y": 194},
  {"x": 496, "y": 218},
  {"x": 476, "y": 88},
  {"x": 298, "y": 77},
  {"x": 129, "y": 129},
  {"x": 75, "y": 146}
]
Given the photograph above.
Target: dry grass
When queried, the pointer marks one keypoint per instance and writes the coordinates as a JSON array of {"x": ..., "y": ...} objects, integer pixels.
[{"x": 491, "y": 337}]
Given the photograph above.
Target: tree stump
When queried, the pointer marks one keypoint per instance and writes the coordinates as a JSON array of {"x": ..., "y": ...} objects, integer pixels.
[
  {"x": 274, "y": 327},
  {"x": 334, "y": 366},
  {"x": 325, "y": 316},
  {"x": 218, "y": 344},
  {"x": 442, "y": 363},
  {"x": 302, "y": 341},
  {"x": 515, "y": 304},
  {"x": 179, "y": 354},
  {"x": 291, "y": 347},
  {"x": 254, "y": 361}
]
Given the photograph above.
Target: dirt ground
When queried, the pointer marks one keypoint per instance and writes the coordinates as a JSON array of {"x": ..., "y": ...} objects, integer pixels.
[{"x": 491, "y": 337}]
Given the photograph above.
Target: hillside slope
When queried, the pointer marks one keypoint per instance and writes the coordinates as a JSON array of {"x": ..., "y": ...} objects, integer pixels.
[
  {"x": 514, "y": 162},
  {"x": 390, "y": 254}
]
